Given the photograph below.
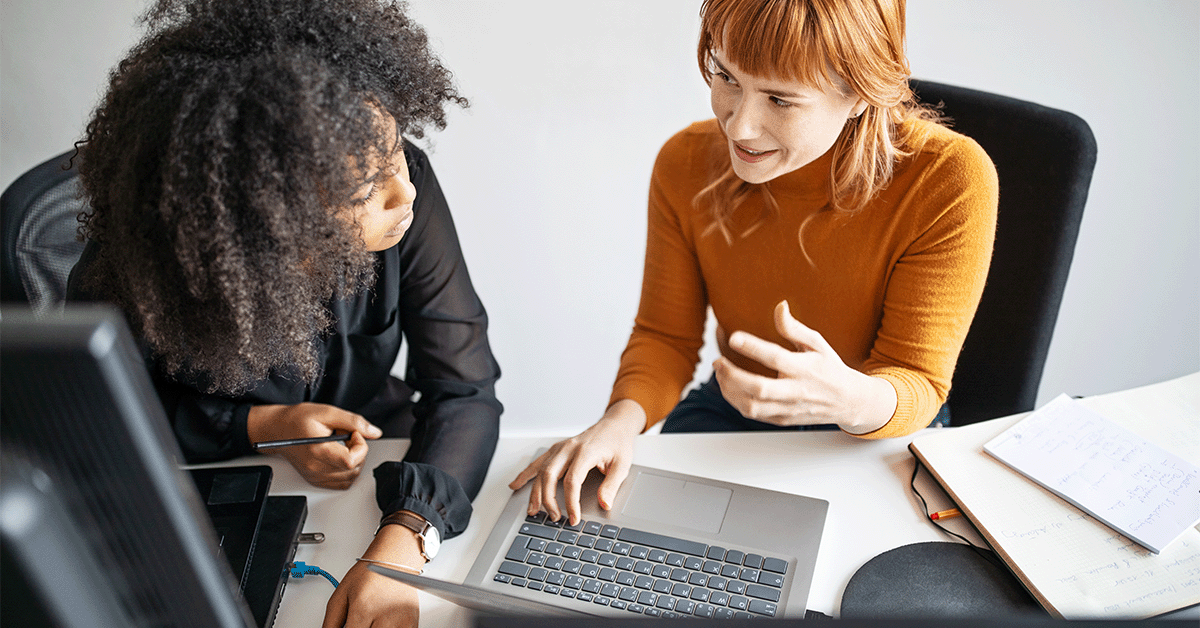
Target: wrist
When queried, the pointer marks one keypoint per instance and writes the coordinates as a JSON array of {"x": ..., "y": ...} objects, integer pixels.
[
  {"x": 874, "y": 405},
  {"x": 625, "y": 415},
  {"x": 396, "y": 544}
]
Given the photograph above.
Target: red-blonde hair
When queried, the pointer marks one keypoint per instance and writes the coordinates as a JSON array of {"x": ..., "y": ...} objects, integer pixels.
[{"x": 862, "y": 43}]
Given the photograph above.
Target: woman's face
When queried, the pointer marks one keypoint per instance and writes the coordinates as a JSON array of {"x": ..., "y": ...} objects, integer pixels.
[
  {"x": 775, "y": 126},
  {"x": 383, "y": 206}
]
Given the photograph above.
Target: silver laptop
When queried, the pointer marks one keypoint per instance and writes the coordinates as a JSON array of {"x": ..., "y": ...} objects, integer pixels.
[{"x": 673, "y": 545}]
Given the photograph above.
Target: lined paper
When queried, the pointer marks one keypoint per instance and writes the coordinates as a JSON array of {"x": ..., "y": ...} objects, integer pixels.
[
  {"x": 1134, "y": 486},
  {"x": 1074, "y": 565}
]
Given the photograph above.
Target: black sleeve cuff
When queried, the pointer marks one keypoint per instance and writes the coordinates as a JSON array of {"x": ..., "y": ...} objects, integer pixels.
[{"x": 425, "y": 490}]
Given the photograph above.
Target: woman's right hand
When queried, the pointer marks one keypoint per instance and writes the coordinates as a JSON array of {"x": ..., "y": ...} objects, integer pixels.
[
  {"x": 326, "y": 465},
  {"x": 607, "y": 446}
]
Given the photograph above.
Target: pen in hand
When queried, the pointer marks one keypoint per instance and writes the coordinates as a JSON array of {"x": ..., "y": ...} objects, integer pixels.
[{"x": 302, "y": 441}]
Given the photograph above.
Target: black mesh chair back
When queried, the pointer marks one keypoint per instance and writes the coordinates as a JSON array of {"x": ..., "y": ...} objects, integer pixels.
[
  {"x": 39, "y": 216},
  {"x": 1044, "y": 158}
]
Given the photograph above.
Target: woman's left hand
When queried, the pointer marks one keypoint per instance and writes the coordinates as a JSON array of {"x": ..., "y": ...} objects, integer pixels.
[
  {"x": 813, "y": 385},
  {"x": 365, "y": 599}
]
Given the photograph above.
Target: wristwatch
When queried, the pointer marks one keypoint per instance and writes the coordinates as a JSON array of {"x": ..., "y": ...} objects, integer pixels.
[{"x": 428, "y": 538}]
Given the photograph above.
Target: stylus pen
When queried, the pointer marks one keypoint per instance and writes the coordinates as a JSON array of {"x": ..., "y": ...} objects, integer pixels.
[
  {"x": 302, "y": 441},
  {"x": 946, "y": 514}
]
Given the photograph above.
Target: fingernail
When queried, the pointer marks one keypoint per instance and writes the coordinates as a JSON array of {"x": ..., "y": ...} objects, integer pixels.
[{"x": 374, "y": 431}]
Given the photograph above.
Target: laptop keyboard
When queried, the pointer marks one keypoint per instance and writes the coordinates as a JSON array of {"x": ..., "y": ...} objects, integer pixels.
[{"x": 641, "y": 572}]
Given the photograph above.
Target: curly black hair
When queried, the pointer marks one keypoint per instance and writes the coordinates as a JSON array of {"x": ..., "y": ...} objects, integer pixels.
[{"x": 219, "y": 164}]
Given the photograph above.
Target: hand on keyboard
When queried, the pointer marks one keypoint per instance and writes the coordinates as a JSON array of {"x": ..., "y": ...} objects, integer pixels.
[{"x": 607, "y": 446}]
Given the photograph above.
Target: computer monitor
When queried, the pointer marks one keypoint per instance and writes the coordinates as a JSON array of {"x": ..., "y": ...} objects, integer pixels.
[{"x": 100, "y": 526}]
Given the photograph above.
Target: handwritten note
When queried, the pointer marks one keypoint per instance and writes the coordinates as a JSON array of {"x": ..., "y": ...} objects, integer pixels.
[{"x": 1135, "y": 487}]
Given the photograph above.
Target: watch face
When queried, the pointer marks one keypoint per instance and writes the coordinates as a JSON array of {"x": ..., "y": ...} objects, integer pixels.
[{"x": 433, "y": 541}]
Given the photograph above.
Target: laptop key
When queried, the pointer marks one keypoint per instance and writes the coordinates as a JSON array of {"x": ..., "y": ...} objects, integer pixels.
[
  {"x": 749, "y": 575},
  {"x": 718, "y": 598},
  {"x": 577, "y": 527},
  {"x": 657, "y": 556},
  {"x": 601, "y": 600},
  {"x": 626, "y": 563},
  {"x": 536, "y": 558},
  {"x": 661, "y": 571},
  {"x": 717, "y": 582},
  {"x": 625, "y": 577},
  {"x": 554, "y": 549},
  {"x": 742, "y": 615},
  {"x": 607, "y": 574},
  {"x": 775, "y": 565},
  {"x": 538, "y": 518},
  {"x": 592, "y": 586},
  {"x": 771, "y": 579},
  {"x": 753, "y": 561},
  {"x": 536, "y": 586},
  {"x": 644, "y": 582},
  {"x": 675, "y": 560},
  {"x": 572, "y": 566},
  {"x": 668, "y": 543},
  {"x": 589, "y": 556},
  {"x": 636, "y": 608},
  {"x": 734, "y": 556},
  {"x": 567, "y": 537},
  {"x": 628, "y": 594},
  {"x": 535, "y": 545},
  {"x": 621, "y": 548},
  {"x": 537, "y": 573},
  {"x": 610, "y": 531},
  {"x": 589, "y": 570},
  {"x": 762, "y": 608},
  {"x": 607, "y": 560},
  {"x": 662, "y": 586},
  {"x": 643, "y": 567},
  {"x": 685, "y": 607},
  {"x": 591, "y": 527},
  {"x": 715, "y": 553},
  {"x": 502, "y": 578},
  {"x": 513, "y": 569},
  {"x": 583, "y": 596},
  {"x": 567, "y": 592},
  {"x": 619, "y": 604},
  {"x": 731, "y": 571},
  {"x": 552, "y": 589},
  {"x": 680, "y": 589},
  {"x": 647, "y": 597},
  {"x": 704, "y": 610},
  {"x": 737, "y": 587},
  {"x": 603, "y": 545},
  {"x": 610, "y": 590},
  {"x": 680, "y": 575},
  {"x": 517, "y": 551},
  {"x": 556, "y": 577},
  {"x": 572, "y": 552},
  {"x": 762, "y": 592},
  {"x": 693, "y": 563},
  {"x": 573, "y": 582},
  {"x": 665, "y": 602},
  {"x": 698, "y": 579},
  {"x": 738, "y": 602},
  {"x": 700, "y": 594},
  {"x": 653, "y": 612},
  {"x": 554, "y": 562},
  {"x": 557, "y": 523},
  {"x": 723, "y": 613},
  {"x": 638, "y": 551},
  {"x": 533, "y": 529},
  {"x": 711, "y": 567},
  {"x": 586, "y": 541},
  {"x": 519, "y": 582}
]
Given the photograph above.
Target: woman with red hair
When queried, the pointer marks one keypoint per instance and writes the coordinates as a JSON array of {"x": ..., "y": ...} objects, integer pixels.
[{"x": 839, "y": 232}]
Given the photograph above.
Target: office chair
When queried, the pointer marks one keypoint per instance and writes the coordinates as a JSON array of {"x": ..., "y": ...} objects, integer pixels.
[
  {"x": 38, "y": 212},
  {"x": 1044, "y": 159}
]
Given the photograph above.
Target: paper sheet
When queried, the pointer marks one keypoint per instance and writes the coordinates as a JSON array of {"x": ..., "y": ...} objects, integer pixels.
[{"x": 1134, "y": 486}]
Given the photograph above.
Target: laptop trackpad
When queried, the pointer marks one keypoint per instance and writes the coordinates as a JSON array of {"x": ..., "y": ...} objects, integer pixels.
[{"x": 678, "y": 502}]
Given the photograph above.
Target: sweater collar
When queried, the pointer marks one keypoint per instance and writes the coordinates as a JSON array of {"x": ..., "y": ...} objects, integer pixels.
[{"x": 809, "y": 182}]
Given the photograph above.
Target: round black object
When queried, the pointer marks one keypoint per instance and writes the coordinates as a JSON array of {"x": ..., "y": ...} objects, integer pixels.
[{"x": 936, "y": 579}]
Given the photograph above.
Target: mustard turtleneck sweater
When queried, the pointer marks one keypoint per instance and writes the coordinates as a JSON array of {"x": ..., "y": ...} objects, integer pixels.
[{"x": 892, "y": 287}]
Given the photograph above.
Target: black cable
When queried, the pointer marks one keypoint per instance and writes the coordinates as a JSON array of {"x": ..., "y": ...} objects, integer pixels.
[{"x": 984, "y": 552}]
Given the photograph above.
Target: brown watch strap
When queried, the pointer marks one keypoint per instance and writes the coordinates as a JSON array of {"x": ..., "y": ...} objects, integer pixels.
[{"x": 412, "y": 521}]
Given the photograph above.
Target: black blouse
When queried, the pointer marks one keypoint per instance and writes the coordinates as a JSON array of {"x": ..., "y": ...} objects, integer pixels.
[{"x": 423, "y": 293}]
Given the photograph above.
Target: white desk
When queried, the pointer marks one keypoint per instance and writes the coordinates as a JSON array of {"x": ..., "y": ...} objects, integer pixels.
[{"x": 871, "y": 508}]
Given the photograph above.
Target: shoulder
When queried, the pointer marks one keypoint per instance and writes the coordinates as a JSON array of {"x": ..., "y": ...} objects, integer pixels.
[
  {"x": 954, "y": 157},
  {"x": 691, "y": 153}
]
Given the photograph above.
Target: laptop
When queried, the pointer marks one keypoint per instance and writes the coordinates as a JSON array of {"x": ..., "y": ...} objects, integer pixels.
[
  {"x": 673, "y": 545},
  {"x": 256, "y": 533}
]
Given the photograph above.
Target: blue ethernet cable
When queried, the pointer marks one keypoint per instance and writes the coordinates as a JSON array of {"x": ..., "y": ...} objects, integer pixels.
[{"x": 298, "y": 570}]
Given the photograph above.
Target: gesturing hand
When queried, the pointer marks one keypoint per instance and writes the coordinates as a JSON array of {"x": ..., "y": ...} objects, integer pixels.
[
  {"x": 607, "y": 446},
  {"x": 327, "y": 465},
  {"x": 813, "y": 385}
]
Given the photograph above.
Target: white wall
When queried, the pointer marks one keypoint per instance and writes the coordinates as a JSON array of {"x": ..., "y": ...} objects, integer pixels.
[{"x": 547, "y": 171}]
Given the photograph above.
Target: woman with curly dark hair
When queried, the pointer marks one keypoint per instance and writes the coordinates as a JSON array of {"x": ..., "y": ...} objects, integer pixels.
[{"x": 271, "y": 237}]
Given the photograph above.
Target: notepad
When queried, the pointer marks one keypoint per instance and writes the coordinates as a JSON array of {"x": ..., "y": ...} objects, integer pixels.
[
  {"x": 1134, "y": 486},
  {"x": 1074, "y": 565}
]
